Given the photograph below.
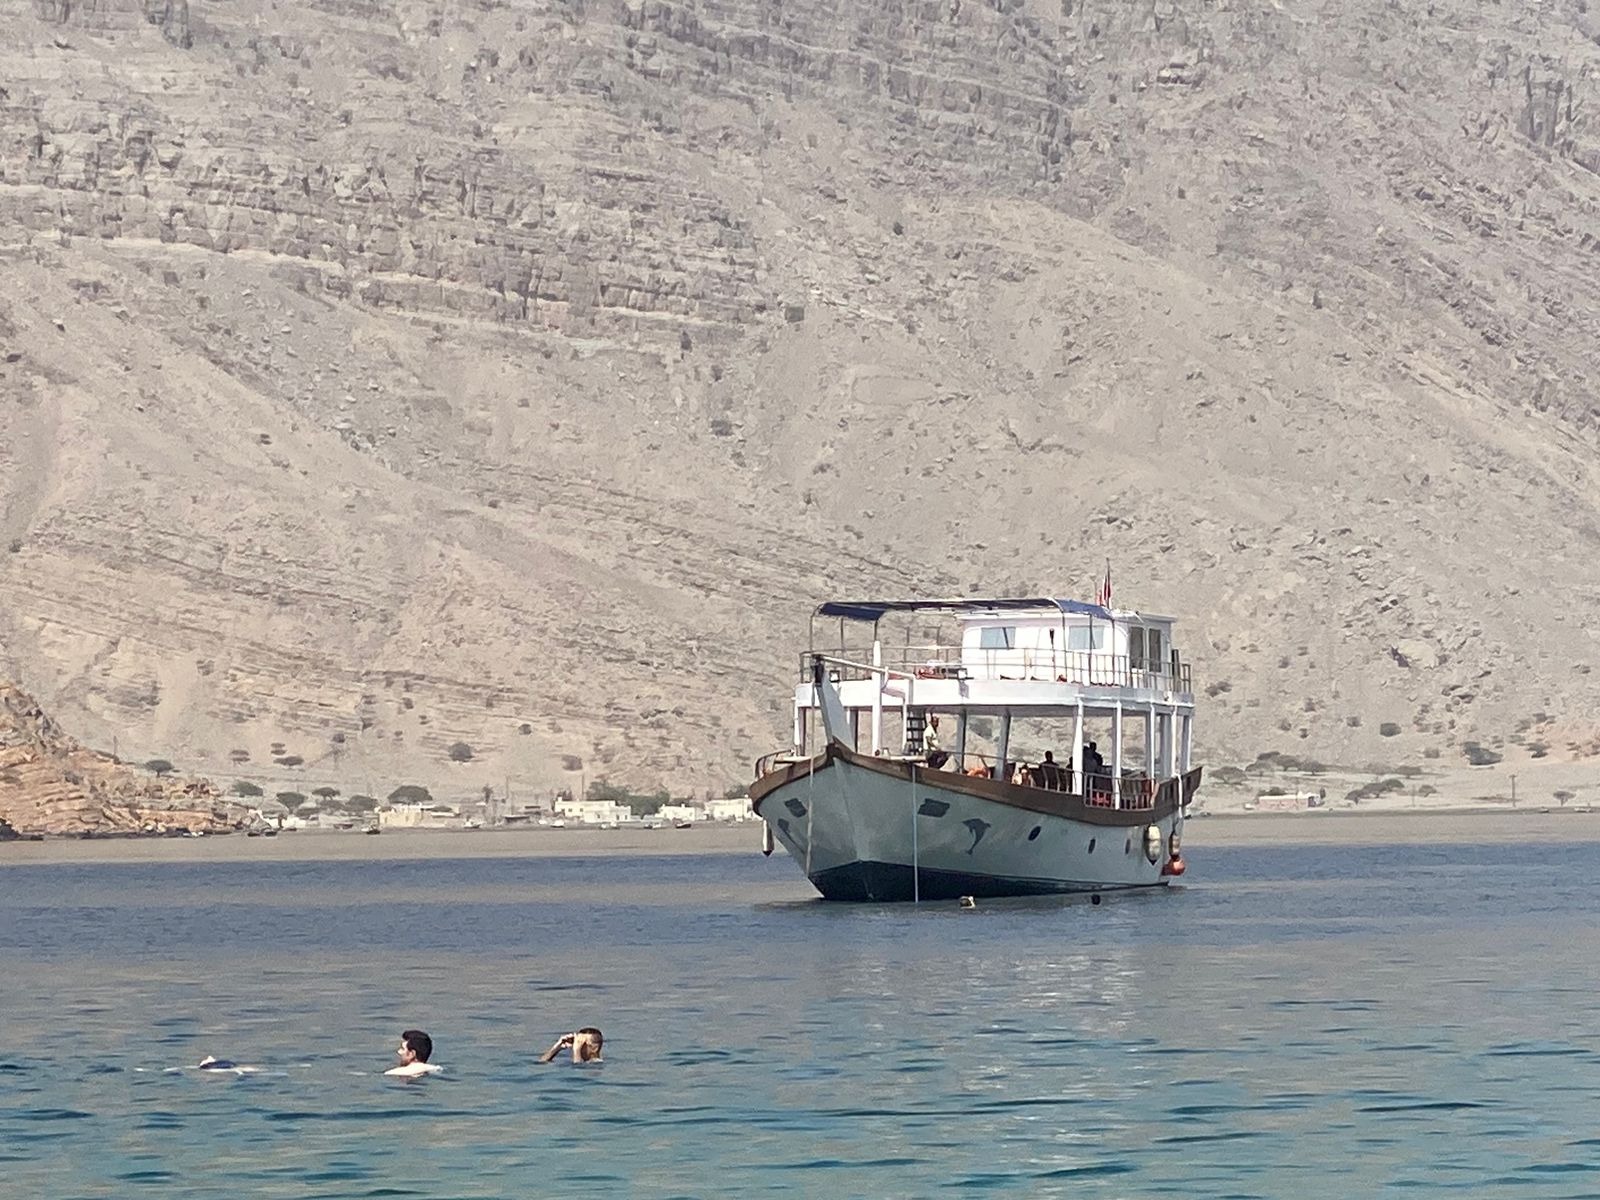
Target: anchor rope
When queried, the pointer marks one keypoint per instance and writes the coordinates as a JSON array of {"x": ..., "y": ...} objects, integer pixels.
[
  {"x": 811, "y": 806},
  {"x": 916, "y": 866}
]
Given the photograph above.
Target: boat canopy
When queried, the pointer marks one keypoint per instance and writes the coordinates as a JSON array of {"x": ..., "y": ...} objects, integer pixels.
[{"x": 873, "y": 610}]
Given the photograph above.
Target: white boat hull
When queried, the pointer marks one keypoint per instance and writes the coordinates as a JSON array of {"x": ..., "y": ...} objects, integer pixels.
[{"x": 864, "y": 828}]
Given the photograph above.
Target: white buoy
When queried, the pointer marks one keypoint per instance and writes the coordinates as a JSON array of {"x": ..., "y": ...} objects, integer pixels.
[
  {"x": 968, "y": 902},
  {"x": 1152, "y": 842}
]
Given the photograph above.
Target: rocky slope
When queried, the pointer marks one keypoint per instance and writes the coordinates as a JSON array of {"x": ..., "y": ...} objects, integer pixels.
[
  {"x": 50, "y": 784},
  {"x": 383, "y": 378}
]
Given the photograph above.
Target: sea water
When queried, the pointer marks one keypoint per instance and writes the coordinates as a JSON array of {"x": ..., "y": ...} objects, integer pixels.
[{"x": 1293, "y": 1021}]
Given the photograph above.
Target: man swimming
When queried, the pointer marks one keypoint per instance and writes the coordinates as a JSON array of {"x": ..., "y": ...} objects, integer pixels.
[
  {"x": 585, "y": 1044},
  {"x": 415, "y": 1049},
  {"x": 220, "y": 1066}
]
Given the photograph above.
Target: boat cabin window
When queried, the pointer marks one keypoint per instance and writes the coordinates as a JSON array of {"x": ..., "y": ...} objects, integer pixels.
[
  {"x": 997, "y": 637},
  {"x": 1153, "y": 637},
  {"x": 1136, "y": 647},
  {"x": 1078, "y": 637}
]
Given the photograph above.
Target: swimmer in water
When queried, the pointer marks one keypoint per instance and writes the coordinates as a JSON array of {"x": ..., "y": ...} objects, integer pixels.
[
  {"x": 415, "y": 1049},
  {"x": 585, "y": 1044},
  {"x": 208, "y": 1063}
]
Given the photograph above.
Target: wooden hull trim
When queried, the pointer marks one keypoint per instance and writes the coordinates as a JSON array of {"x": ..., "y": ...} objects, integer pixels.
[{"x": 1171, "y": 796}]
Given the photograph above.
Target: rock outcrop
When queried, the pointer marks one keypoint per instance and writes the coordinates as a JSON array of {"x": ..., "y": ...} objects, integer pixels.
[{"x": 49, "y": 784}]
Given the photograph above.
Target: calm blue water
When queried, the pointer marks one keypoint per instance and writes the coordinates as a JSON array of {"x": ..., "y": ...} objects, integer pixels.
[{"x": 1294, "y": 1022}]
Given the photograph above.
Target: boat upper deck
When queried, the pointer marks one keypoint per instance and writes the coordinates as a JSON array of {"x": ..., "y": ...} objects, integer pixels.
[{"x": 1012, "y": 653}]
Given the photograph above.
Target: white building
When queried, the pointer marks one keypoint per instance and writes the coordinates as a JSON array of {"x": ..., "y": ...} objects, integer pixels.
[
  {"x": 593, "y": 812},
  {"x": 681, "y": 812},
  {"x": 736, "y": 809},
  {"x": 418, "y": 816}
]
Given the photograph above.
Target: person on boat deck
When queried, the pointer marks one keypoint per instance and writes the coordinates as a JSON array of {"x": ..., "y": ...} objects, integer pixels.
[
  {"x": 416, "y": 1048},
  {"x": 1094, "y": 762},
  {"x": 585, "y": 1044},
  {"x": 930, "y": 745},
  {"x": 1050, "y": 772}
]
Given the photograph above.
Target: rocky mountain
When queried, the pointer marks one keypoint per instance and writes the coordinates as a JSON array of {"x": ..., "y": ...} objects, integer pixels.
[{"x": 382, "y": 380}]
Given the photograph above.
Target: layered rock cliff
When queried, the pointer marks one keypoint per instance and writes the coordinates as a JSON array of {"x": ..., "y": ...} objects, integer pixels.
[
  {"x": 50, "y": 784},
  {"x": 381, "y": 379}
]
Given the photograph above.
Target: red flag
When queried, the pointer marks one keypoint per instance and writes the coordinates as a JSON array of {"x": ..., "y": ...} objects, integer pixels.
[{"x": 1102, "y": 594}]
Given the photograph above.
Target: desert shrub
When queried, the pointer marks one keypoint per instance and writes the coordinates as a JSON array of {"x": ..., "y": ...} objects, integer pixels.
[
  {"x": 1563, "y": 797},
  {"x": 524, "y": 728},
  {"x": 1389, "y": 729},
  {"x": 1427, "y": 789},
  {"x": 290, "y": 799},
  {"x": 288, "y": 760},
  {"x": 1479, "y": 756},
  {"x": 239, "y": 756},
  {"x": 1229, "y": 775},
  {"x": 158, "y": 767},
  {"x": 243, "y": 787},
  {"x": 360, "y": 803},
  {"x": 1377, "y": 787},
  {"x": 642, "y": 803},
  {"x": 325, "y": 793},
  {"x": 410, "y": 793},
  {"x": 1274, "y": 791},
  {"x": 734, "y": 791},
  {"x": 460, "y": 752},
  {"x": 571, "y": 762},
  {"x": 1538, "y": 749},
  {"x": 1431, "y": 752},
  {"x": 1353, "y": 721},
  {"x": 338, "y": 738}
]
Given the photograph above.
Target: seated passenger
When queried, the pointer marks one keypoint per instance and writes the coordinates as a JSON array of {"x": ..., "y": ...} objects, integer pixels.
[{"x": 1050, "y": 772}]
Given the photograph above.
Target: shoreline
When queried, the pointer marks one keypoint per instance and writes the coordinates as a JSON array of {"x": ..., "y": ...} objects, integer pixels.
[{"x": 1343, "y": 827}]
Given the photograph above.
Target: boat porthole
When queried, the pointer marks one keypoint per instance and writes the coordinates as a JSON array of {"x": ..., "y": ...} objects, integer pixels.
[
  {"x": 783, "y": 825},
  {"x": 795, "y": 807},
  {"x": 1091, "y": 845},
  {"x": 1033, "y": 833}
]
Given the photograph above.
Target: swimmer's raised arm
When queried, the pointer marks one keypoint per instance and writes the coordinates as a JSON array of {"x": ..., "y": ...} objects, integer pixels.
[{"x": 561, "y": 1044}]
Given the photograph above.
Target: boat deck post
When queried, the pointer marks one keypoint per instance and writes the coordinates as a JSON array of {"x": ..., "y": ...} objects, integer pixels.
[
  {"x": 1116, "y": 755},
  {"x": 1078, "y": 780},
  {"x": 880, "y": 677}
]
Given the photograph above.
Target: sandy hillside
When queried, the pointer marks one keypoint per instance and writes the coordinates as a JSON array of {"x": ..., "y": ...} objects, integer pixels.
[{"x": 377, "y": 381}]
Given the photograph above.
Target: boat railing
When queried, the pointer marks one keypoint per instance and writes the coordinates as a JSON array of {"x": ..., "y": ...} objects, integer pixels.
[
  {"x": 768, "y": 763},
  {"x": 1087, "y": 668},
  {"x": 1099, "y": 789}
]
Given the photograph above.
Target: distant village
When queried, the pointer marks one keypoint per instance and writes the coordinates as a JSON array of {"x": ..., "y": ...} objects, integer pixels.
[{"x": 418, "y": 810}]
